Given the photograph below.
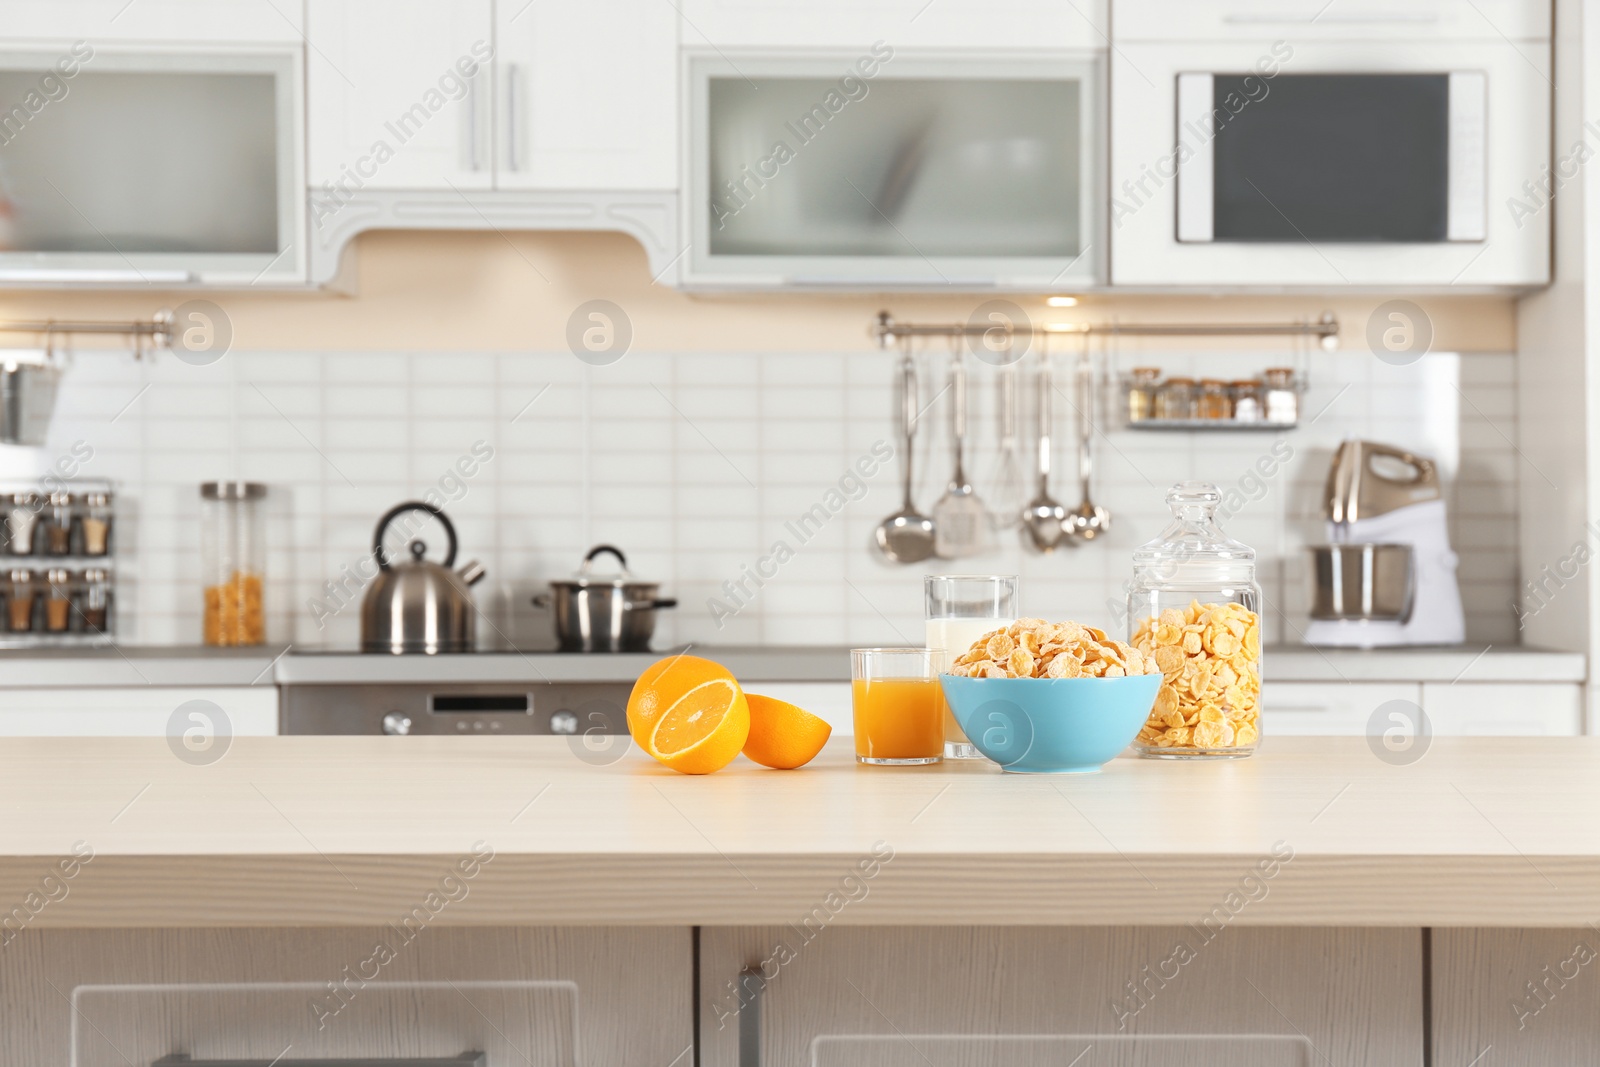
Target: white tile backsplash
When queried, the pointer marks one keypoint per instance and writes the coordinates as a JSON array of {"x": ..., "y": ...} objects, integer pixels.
[{"x": 699, "y": 465}]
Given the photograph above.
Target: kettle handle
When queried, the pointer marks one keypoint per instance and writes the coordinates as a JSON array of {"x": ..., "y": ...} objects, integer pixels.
[{"x": 400, "y": 509}]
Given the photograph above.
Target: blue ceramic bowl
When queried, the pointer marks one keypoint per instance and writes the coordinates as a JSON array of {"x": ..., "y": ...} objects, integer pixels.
[{"x": 1051, "y": 725}]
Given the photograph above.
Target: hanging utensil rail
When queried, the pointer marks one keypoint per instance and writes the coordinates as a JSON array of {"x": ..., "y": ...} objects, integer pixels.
[
  {"x": 1326, "y": 329},
  {"x": 158, "y": 328}
]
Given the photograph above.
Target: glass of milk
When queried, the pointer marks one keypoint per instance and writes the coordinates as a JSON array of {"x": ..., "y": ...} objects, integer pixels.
[{"x": 959, "y": 609}]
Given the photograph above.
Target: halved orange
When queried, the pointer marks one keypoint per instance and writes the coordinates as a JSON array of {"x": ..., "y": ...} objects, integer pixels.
[
  {"x": 689, "y": 713},
  {"x": 782, "y": 735}
]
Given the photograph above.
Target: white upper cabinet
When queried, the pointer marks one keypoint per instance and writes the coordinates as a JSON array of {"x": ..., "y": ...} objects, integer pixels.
[
  {"x": 902, "y": 24},
  {"x": 401, "y": 96},
  {"x": 107, "y": 22},
  {"x": 588, "y": 94}
]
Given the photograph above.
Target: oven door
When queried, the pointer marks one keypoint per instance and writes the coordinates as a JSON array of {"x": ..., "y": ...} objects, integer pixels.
[
  {"x": 1378, "y": 158},
  {"x": 1330, "y": 163}
]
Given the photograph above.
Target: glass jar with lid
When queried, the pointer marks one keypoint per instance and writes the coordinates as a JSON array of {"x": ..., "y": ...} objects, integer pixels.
[
  {"x": 1214, "y": 403},
  {"x": 1247, "y": 401},
  {"x": 96, "y": 524},
  {"x": 1142, "y": 386},
  {"x": 58, "y": 600},
  {"x": 58, "y": 528},
  {"x": 22, "y": 516},
  {"x": 1195, "y": 607},
  {"x": 96, "y": 604},
  {"x": 1175, "y": 399},
  {"x": 232, "y": 562},
  {"x": 1280, "y": 399},
  {"x": 19, "y": 602}
]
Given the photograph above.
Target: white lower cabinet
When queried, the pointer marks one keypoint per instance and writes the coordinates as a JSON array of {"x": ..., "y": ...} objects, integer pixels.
[
  {"x": 1483, "y": 709},
  {"x": 145, "y": 711},
  {"x": 1299, "y": 708},
  {"x": 535, "y": 996},
  {"x": 1490, "y": 709},
  {"x": 1032, "y": 997}
]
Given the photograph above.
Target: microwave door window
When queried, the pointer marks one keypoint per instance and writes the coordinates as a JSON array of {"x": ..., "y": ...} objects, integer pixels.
[
  {"x": 1335, "y": 157},
  {"x": 145, "y": 162},
  {"x": 903, "y": 168}
]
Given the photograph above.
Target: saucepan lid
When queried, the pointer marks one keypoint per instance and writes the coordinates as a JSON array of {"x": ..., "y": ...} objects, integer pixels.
[{"x": 586, "y": 576}]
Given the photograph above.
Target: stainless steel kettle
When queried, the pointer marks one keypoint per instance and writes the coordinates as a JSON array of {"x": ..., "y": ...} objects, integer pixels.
[{"x": 417, "y": 605}]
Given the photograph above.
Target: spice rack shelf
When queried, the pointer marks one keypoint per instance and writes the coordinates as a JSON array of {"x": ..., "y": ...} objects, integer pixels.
[
  {"x": 57, "y": 574},
  {"x": 1209, "y": 426}
]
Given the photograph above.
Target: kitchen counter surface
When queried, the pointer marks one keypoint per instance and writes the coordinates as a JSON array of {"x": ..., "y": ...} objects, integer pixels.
[
  {"x": 199, "y": 666},
  {"x": 352, "y": 830}
]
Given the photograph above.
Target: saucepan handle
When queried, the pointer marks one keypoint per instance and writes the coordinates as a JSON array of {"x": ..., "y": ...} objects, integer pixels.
[
  {"x": 650, "y": 605},
  {"x": 601, "y": 550}
]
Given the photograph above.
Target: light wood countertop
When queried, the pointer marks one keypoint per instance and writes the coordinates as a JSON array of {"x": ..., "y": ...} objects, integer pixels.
[{"x": 347, "y": 830}]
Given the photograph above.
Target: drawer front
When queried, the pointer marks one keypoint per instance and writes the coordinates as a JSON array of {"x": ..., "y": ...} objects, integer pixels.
[
  {"x": 1507, "y": 710},
  {"x": 1336, "y": 708},
  {"x": 1496, "y": 21},
  {"x": 1037, "y": 997},
  {"x": 246, "y": 711}
]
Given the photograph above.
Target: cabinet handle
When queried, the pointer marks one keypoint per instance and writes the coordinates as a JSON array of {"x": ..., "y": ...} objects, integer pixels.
[
  {"x": 474, "y": 162},
  {"x": 751, "y": 985},
  {"x": 514, "y": 116}
]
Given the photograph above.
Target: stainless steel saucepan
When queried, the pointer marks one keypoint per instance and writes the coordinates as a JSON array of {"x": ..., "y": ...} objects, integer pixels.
[{"x": 604, "y": 613}]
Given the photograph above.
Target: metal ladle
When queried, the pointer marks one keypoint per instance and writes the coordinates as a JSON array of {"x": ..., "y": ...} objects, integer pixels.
[
  {"x": 1044, "y": 520},
  {"x": 1088, "y": 520},
  {"x": 907, "y": 536}
]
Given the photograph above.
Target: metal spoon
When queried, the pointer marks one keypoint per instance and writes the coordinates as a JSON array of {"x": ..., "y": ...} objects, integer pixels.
[
  {"x": 907, "y": 536},
  {"x": 1088, "y": 520},
  {"x": 1009, "y": 484},
  {"x": 960, "y": 520},
  {"x": 1044, "y": 520}
]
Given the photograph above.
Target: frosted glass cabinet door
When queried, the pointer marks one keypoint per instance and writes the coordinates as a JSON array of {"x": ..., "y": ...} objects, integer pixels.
[
  {"x": 877, "y": 168},
  {"x": 144, "y": 168}
]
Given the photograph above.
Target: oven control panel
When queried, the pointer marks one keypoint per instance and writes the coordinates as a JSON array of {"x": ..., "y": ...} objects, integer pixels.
[{"x": 468, "y": 709}]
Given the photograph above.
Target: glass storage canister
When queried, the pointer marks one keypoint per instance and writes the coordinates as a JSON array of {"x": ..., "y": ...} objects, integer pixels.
[
  {"x": 1247, "y": 401},
  {"x": 58, "y": 600},
  {"x": 1214, "y": 402},
  {"x": 96, "y": 524},
  {"x": 1175, "y": 399},
  {"x": 232, "y": 562},
  {"x": 1194, "y": 606},
  {"x": 1280, "y": 400},
  {"x": 96, "y": 600},
  {"x": 19, "y": 602},
  {"x": 22, "y": 517},
  {"x": 58, "y": 530},
  {"x": 1142, "y": 385}
]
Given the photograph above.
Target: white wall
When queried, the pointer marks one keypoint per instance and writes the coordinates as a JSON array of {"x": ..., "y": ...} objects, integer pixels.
[{"x": 694, "y": 462}]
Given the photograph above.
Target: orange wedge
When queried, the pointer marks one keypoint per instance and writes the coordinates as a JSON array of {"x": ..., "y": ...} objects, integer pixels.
[
  {"x": 782, "y": 735},
  {"x": 689, "y": 713}
]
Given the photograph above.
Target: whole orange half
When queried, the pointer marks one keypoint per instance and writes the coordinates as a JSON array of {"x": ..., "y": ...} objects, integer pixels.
[{"x": 689, "y": 713}]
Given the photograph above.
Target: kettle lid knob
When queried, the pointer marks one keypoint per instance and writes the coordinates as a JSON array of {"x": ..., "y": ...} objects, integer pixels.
[{"x": 418, "y": 549}]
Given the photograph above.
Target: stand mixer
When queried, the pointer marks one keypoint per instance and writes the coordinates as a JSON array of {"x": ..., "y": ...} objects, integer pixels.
[{"x": 1388, "y": 575}]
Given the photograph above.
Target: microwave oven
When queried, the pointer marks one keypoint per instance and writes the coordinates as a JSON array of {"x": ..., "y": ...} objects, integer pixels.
[{"x": 1329, "y": 162}]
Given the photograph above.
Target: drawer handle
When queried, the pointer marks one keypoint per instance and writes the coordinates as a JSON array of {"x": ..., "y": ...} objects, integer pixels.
[{"x": 750, "y": 986}]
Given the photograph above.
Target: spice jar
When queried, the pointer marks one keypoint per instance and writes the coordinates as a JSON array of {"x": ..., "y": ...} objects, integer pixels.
[
  {"x": 58, "y": 528},
  {"x": 1175, "y": 399},
  {"x": 57, "y": 600},
  {"x": 1247, "y": 401},
  {"x": 1214, "y": 402},
  {"x": 232, "y": 556},
  {"x": 96, "y": 524},
  {"x": 19, "y": 602},
  {"x": 1142, "y": 385},
  {"x": 96, "y": 604},
  {"x": 1281, "y": 400},
  {"x": 21, "y": 519},
  {"x": 1194, "y": 606}
]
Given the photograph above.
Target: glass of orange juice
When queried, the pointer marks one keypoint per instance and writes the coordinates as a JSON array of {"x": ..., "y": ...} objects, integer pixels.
[{"x": 899, "y": 710}]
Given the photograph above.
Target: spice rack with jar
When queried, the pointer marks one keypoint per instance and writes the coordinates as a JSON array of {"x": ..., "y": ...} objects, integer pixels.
[
  {"x": 1270, "y": 402},
  {"x": 56, "y": 565}
]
